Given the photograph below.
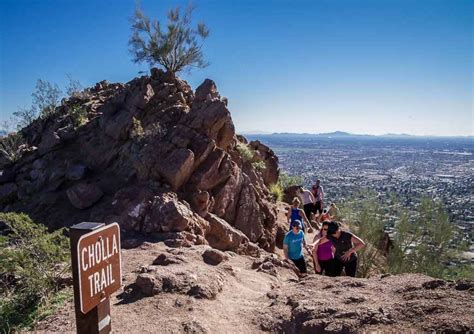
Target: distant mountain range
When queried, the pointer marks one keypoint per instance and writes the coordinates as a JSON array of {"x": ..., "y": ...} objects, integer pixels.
[{"x": 347, "y": 134}]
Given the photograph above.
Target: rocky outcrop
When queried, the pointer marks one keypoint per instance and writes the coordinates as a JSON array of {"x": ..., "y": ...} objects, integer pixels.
[
  {"x": 399, "y": 303},
  {"x": 174, "y": 271},
  {"x": 154, "y": 157}
]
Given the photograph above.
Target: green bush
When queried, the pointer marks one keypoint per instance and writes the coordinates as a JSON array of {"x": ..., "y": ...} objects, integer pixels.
[
  {"x": 259, "y": 165},
  {"x": 366, "y": 218},
  {"x": 276, "y": 191},
  {"x": 286, "y": 180},
  {"x": 32, "y": 263},
  {"x": 10, "y": 146},
  {"x": 137, "y": 131},
  {"x": 422, "y": 243},
  {"x": 245, "y": 152},
  {"x": 174, "y": 45},
  {"x": 78, "y": 115}
]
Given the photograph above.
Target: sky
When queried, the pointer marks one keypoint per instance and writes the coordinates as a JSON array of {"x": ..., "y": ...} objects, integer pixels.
[{"x": 366, "y": 67}]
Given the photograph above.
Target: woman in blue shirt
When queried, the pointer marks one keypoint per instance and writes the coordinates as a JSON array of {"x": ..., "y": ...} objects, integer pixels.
[{"x": 293, "y": 246}]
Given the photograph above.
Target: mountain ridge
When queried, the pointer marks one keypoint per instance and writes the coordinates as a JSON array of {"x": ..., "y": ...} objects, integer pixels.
[{"x": 348, "y": 134}]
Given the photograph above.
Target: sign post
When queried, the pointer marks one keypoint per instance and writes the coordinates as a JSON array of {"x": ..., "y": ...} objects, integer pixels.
[{"x": 96, "y": 271}]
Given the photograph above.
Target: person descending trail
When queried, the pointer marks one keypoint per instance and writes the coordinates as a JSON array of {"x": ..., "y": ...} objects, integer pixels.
[
  {"x": 293, "y": 246},
  {"x": 346, "y": 244},
  {"x": 308, "y": 201},
  {"x": 318, "y": 192},
  {"x": 295, "y": 213},
  {"x": 325, "y": 216},
  {"x": 323, "y": 252},
  {"x": 333, "y": 211}
]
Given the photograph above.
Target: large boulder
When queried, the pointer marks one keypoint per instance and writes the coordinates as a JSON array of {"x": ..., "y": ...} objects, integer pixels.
[
  {"x": 84, "y": 195},
  {"x": 49, "y": 141},
  {"x": 168, "y": 214},
  {"x": 223, "y": 236},
  {"x": 264, "y": 153}
]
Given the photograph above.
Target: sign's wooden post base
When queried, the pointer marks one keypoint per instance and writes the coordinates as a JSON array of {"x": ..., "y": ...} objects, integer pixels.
[{"x": 98, "y": 319}]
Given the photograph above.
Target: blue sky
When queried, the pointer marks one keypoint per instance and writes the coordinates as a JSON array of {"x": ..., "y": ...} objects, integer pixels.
[{"x": 296, "y": 66}]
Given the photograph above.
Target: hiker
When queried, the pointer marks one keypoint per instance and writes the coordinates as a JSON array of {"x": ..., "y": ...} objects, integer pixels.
[
  {"x": 318, "y": 195},
  {"x": 293, "y": 246},
  {"x": 295, "y": 213},
  {"x": 346, "y": 244},
  {"x": 308, "y": 201},
  {"x": 323, "y": 252},
  {"x": 333, "y": 211},
  {"x": 325, "y": 216}
]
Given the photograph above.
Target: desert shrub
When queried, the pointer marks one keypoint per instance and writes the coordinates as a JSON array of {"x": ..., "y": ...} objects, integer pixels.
[
  {"x": 276, "y": 191},
  {"x": 245, "y": 152},
  {"x": 32, "y": 262},
  {"x": 155, "y": 130},
  {"x": 285, "y": 180},
  {"x": 259, "y": 165},
  {"x": 137, "y": 129},
  {"x": 10, "y": 146},
  {"x": 365, "y": 216},
  {"x": 460, "y": 271},
  {"x": 422, "y": 243},
  {"x": 74, "y": 87},
  {"x": 174, "y": 45},
  {"x": 45, "y": 99},
  {"x": 78, "y": 115},
  {"x": 25, "y": 116}
]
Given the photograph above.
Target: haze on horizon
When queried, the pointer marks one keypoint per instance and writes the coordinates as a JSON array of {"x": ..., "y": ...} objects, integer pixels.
[{"x": 365, "y": 67}]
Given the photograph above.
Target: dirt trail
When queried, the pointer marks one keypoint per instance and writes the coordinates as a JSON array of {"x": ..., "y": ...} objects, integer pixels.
[
  {"x": 262, "y": 295},
  {"x": 233, "y": 310}
]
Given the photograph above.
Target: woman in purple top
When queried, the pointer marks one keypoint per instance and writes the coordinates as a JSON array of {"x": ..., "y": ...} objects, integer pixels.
[{"x": 323, "y": 253}]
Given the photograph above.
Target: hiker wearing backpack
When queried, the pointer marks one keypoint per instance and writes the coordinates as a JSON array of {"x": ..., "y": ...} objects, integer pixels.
[
  {"x": 323, "y": 252},
  {"x": 293, "y": 246},
  {"x": 346, "y": 245}
]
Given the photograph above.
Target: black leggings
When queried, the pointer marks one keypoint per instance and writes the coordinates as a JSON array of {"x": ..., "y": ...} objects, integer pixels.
[
  {"x": 327, "y": 267},
  {"x": 350, "y": 268},
  {"x": 300, "y": 264},
  {"x": 308, "y": 209}
]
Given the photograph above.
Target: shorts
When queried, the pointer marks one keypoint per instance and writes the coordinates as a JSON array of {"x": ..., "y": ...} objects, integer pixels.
[{"x": 300, "y": 264}]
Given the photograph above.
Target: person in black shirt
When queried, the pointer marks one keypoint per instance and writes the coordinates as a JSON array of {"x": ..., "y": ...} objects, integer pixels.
[{"x": 346, "y": 244}]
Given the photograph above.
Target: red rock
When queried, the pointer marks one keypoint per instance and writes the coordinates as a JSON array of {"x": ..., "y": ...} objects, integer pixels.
[{"x": 84, "y": 195}]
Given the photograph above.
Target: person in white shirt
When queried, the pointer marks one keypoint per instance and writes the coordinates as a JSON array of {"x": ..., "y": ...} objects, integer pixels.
[
  {"x": 317, "y": 191},
  {"x": 308, "y": 201}
]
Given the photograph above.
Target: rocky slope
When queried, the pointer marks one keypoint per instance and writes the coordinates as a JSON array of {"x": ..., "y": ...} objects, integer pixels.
[
  {"x": 153, "y": 156},
  {"x": 187, "y": 290},
  {"x": 200, "y": 226}
]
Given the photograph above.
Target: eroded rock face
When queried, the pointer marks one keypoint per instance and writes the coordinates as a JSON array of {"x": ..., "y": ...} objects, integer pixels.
[{"x": 154, "y": 157}]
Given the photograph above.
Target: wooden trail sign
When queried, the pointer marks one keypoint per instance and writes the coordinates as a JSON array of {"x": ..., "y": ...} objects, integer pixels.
[{"x": 96, "y": 267}]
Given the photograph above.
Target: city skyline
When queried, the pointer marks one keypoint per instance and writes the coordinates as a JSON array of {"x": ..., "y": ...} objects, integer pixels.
[{"x": 369, "y": 67}]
